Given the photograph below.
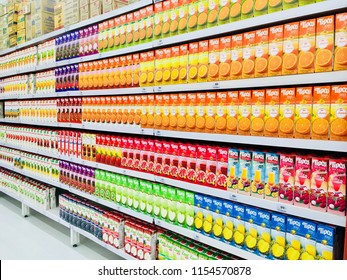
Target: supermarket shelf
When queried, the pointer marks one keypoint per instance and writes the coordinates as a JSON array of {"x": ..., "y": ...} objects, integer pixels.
[
  {"x": 51, "y": 35},
  {"x": 208, "y": 240}
]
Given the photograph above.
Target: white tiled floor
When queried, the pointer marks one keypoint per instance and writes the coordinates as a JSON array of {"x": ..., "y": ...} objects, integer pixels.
[{"x": 39, "y": 238}]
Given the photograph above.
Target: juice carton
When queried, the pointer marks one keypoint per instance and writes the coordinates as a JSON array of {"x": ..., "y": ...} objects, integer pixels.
[
  {"x": 275, "y": 50},
  {"x": 257, "y": 117},
  {"x": 319, "y": 184},
  {"x": 217, "y": 219},
  {"x": 201, "y": 166},
  {"x": 224, "y": 11},
  {"x": 251, "y": 233},
  {"x": 181, "y": 207},
  {"x": 129, "y": 29},
  {"x": 213, "y": 60},
  {"x": 191, "y": 111},
  {"x": 173, "y": 111},
  {"x": 203, "y": 59},
  {"x": 224, "y": 58},
  {"x": 166, "y": 155},
  {"x": 211, "y": 103},
  {"x": 222, "y": 168},
  {"x": 142, "y": 25},
  {"x": 338, "y": 117},
  {"x": 236, "y": 56},
  {"x": 183, "y": 63},
  {"x": 211, "y": 166},
  {"x": 272, "y": 173},
  {"x": 308, "y": 240},
  {"x": 303, "y": 111},
  {"x": 248, "y": 54},
  {"x": 261, "y": 7},
  {"x": 258, "y": 174},
  {"x": 289, "y": 5},
  {"x": 174, "y": 17},
  {"x": 239, "y": 226},
  {"x": 221, "y": 114},
  {"x": 340, "y": 42},
  {"x": 307, "y": 45},
  {"x": 245, "y": 172},
  {"x": 123, "y": 31},
  {"x": 158, "y": 157},
  {"x": 232, "y": 112},
  {"x": 149, "y": 22},
  {"x": 191, "y": 162},
  {"x": 175, "y": 65},
  {"x": 158, "y": 117},
  {"x": 261, "y": 52},
  {"x": 166, "y": 111},
  {"x": 193, "y": 16},
  {"x": 149, "y": 202},
  {"x": 286, "y": 183},
  {"x": 287, "y": 112},
  {"x": 201, "y": 99},
  {"x": 244, "y": 113},
  {"x": 189, "y": 202},
  {"x": 193, "y": 62},
  {"x": 263, "y": 222},
  {"x": 156, "y": 200},
  {"x": 302, "y": 181},
  {"x": 159, "y": 66},
  {"x": 198, "y": 212},
  {"x": 136, "y": 25},
  {"x": 324, "y": 44},
  {"x": 182, "y": 16},
  {"x": 337, "y": 187},
  {"x": 158, "y": 20},
  {"x": 321, "y": 112},
  {"x": 278, "y": 236},
  {"x": 290, "y": 48},
  {"x": 228, "y": 221},
  {"x": 247, "y": 9},
  {"x": 172, "y": 205},
  {"x": 150, "y": 110},
  {"x": 325, "y": 242},
  {"x": 235, "y": 9},
  {"x": 213, "y": 8},
  {"x": 233, "y": 170},
  {"x": 272, "y": 112},
  {"x": 142, "y": 195},
  {"x": 203, "y": 13},
  {"x": 182, "y": 111}
]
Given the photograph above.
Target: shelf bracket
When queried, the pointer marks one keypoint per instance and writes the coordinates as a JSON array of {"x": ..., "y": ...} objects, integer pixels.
[
  {"x": 74, "y": 237},
  {"x": 25, "y": 210}
]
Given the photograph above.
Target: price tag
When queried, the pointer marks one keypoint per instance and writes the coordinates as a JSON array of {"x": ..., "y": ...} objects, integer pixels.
[
  {"x": 282, "y": 208},
  {"x": 124, "y": 171},
  {"x": 96, "y": 165},
  {"x": 216, "y": 85},
  {"x": 196, "y": 237},
  {"x": 142, "y": 131},
  {"x": 233, "y": 197},
  {"x": 157, "y": 133},
  {"x": 160, "y": 42},
  {"x": 159, "y": 89},
  {"x": 158, "y": 222},
  {"x": 144, "y": 90}
]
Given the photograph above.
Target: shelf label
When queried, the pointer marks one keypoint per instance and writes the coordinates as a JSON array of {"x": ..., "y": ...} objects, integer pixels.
[
  {"x": 124, "y": 172},
  {"x": 158, "y": 222},
  {"x": 282, "y": 208},
  {"x": 160, "y": 180},
  {"x": 159, "y": 89},
  {"x": 142, "y": 131},
  {"x": 216, "y": 85},
  {"x": 144, "y": 90},
  {"x": 157, "y": 133},
  {"x": 160, "y": 42},
  {"x": 196, "y": 237},
  {"x": 233, "y": 197}
]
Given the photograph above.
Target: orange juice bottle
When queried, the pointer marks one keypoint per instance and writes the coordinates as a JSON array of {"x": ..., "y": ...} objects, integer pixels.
[
  {"x": 193, "y": 62},
  {"x": 144, "y": 111},
  {"x": 261, "y": 52},
  {"x": 213, "y": 8},
  {"x": 136, "y": 27},
  {"x": 191, "y": 111},
  {"x": 290, "y": 4},
  {"x": 143, "y": 69},
  {"x": 340, "y": 61},
  {"x": 184, "y": 58},
  {"x": 307, "y": 42},
  {"x": 275, "y": 50},
  {"x": 159, "y": 54},
  {"x": 174, "y": 17},
  {"x": 142, "y": 25},
  {"x": 275, "y": 6},
  {"x": 221, "y": 112},
  {"x": 151, "y": 68},
  {"x": 248, "y": 53},
  {"x": 122, "y": 31},
  {"x": 338, "y": 119},
  {"x": 166, "y": 18},
  {"x": 224, "y": 58},
  {"x": 158, "y": 116},
  {"x": 183, "y": 16},
  {"x": 232, "y": 112},
  {"x": 287, "y": 112},
  {"x": 193, "y": 16},
  {"x": 211, "y": 112},
  {"x": 182, "y": 111},
  {"x": 158, "y": 20},
  {"x": 245, "y": 111},
  {"x": 117, "y": 27},
  {"x": 167, "y": 66},
  {"x": 257, "y": 117},
  {"x": 324, "y": 44},
  {"x": 272, "y": 112},
  {"x": 149, "y": 22},
  {"x": 236, "y": 56},
  {"x": 303, "y": 112},
  {"x": 321, "y": 112},
  {"x": 235, "y": 10},
  {"x": 201, "y": 99},
  {"x": 175, "y": 64},
  {"x": 224, "y": 11},
  {"x": 173, "y": 116},
  {"x": 136, "y": 69},
  {"x": 213, "y": 60},
  {"x": 260, "y": 8},
  {"x": 150, "y": 110},
  {"x": 290, "y": 48},
  {"x": 203, "y": 61},
  {"x": 247, "y": 9}
]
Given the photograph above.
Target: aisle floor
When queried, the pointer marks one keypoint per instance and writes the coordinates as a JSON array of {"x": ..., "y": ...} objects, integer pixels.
[{"x": 39, "y": 238}]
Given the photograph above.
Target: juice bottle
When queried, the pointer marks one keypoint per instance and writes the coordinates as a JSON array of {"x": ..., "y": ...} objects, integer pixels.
[
  {"x": 159, "y": 54},
  {"x": 182, "y": 111},
  {"x": 191, "y": 111},
  {"x": 201, "y": 99},
  {"x": 175, "y": 64},
  {"x": 213, "y": 8},
  {"x": 251, "y": 233},
  {"x": 239, "y": 225},
  {"x": 247, "y": 9},
  {"x": 167, "y": 66},
  {"x": 166, "y": 18},
  {"x": 173, "y": 113},
  {"x": 278, "y": 235},
  {"x": 192, "y": 16},
  {"x": 203, "y": 11},
  {"x": 149, "y": 22},
  {"x": 222, "y": 168},
  {"x": 260, "y": 8},
  {"x": 223, "y": 11},
  {"x": 232, "y": 112},
  {"x": 211, "y": 103},
  {"x": 193, "y": 62},
  {"x": 257, "y": 117}
]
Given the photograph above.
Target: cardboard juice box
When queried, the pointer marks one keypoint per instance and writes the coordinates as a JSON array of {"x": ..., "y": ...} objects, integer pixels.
[
  {"x": 130, "y": 29},
  {"x": 201, "y": 160},
  {"x": 325, "y": 242},
  {"x": 167, "y": 66},
  {"x": 159, "y": 66},
  {"x": 307, "y": 46},
  {"x": 287, "y": 112},
  {"x": 286, "y": 181},
  {"x": 223, "y": 11},
  {"x": 189, "y": 202},
  {"x": 203, "y": 59},
  {"x": 251, "y": 233},
  {"x": 261, "y": 7},
  {"x": 181, "y": 207},
  {"x": 166, "y": 111},
  {"x": 172, "y": 205},
  {"x": 150, "y": 110},
  {"x": 224, "y": 58},
  {"x": 222, "y": 168},
  {"x": 158, "y": 20},
  {"x": 174, "y": 159},
  {"x": 183, "y": 64},
  {"x": 338, "y": 117},
  {"x": 203, "y": 13},
  {"x": 164, "y": 201},
  {"x": 275, "y": 50},
  {"x": 302, "y": 181},
  {"x": 337, "y": 187},
  {"x": 239, "y": 226},
  {"x": 191, "y": 162},
  {"x": 272, "y": 174},
  {"x": 149, "y": 22},
  {"x": 272, "y": 112},
  {"x": 228, "y": 221},
  {"x": 142, "y": 25},
  {"x": 319, "y": 184},
  {"x": 193, "y": 16},
  {"x": 290, "y": 48},
  {"x": 198, "y": 212},
  {"x": 173, "y": 111},
  {"x": 289, "y": 5},
  {"x": 236, "y": 56},
  {"x": 193, "y": 64},
  {"x": 217, "y": 219},
  {"x": 123, "y": 31},
  {"x": 258, "y": 108},
  {"x": 174, "y": 17},
  {"x": 233, "y": 170},
  {"x": 261, "y": 52},
  {"x": 340, "y": 62},
  {"x": 183, "y": 16},
  {"x": 201, "y": 99},
  {"x": 156, "y": 200},
  {"x": 293, "y": 238},
  {"x": 321, "y": 112},
  {"x": 258, "y": 174},
  {"x": 166, "y": 18},
  {"x": 324, "y": 44},
  {"x": 175, "y": 65},
  {"x": 263, "y": 222},
  {"x": 213, "y": 60},
  {"x": 221, "y": 112},
  {"x": 191, "y": 111},
  {"x": 182, "y": 111},
  {"x": 247, "y": 9},
  {"x": 232, "y": 112},
  {"x": 303, "y": 112},
  {"x": 211, "y": 112},
  {"x": 248, "y": 54},
  {"x": 244, "y": 112},
  {"x": 278, "y": 236},
  {"x": 213, "y": 15},
  {"x": 245, "y": 172}
]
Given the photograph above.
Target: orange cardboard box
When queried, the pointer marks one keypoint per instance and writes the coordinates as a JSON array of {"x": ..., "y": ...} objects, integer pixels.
[
  {"x": 166, "y": 18},
  {"x": 123, "y": 73},
  {"x": 182, "y": 111},
  {"x": 340, "y": 60},
  {"x": 203, "y": 9},
  {"x": 159, "y": 66},
  {"x": 221, "y": 116},
  {"x": 150, "y": 110},
  {"x": 119, "y": 109},
  {"x": 131, "y": 109},
  {"x": 184, "y": 59},
  {"x": 126, "y": 107},
  {"x": 307, "y": 45},
  {"x": 201, "y": 107},
  {"x": 138, "y": 109},
  {"x": 130, "y": 29},
  {"x": 130, "y": 74},
  {"x": 275, "y": 50},
  {"x": 261, "y": 52},
  {"x": 213, "y": 8},
  {"x": 193, "y": 16},
  {"x": 224, "y": 58},
  {"x": 321, "y": 112},
  {"x": 174, "y": 17},
  {"x": 227, "y": 112},
  {"x": 173, "y": 111},
  {"x": 175, "y": 64},
  {"x": 290, "y": 48},
  {"x": 158, "y": 116},
  {"x": 236, "y": 56},
  {"x": 248, "y": 55},
  {"x": 142, "y": 25},
  {"x": 149, "y": 22},
  {"x": 203, "y": 61},
  {"x": 232, "y": 112},
  {"x": 144, "y": 110},
  {"x": 324, "y": 44},
  {"x": 287, "y": 112},
  {"x": 245, "y": 111},
  {"x": 158, "y": 20},
  {"x": 224, "y": 11},
  {"x": 303, "y": 112},
  {"x": 193, "y": 62},
  {"x": 213, "y": 60},
  {"x": 211, "y": 112},
  {"x": 338, "y": 118},
  {"x": 167, "y": 66},
  {"x": 166, "y": 111},
  {"x": 143, "y": 69},
  {"x": 122, "y": 30},
  {"x": 183, "y": 16},
  {"x": 272, "y": 112},
  {"x": 191, "y": 111},
  {"x": 136, "y": 69},
  {"x": 258, "y": 108}
]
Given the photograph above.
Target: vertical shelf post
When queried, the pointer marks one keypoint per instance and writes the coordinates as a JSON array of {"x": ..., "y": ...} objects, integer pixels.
[
  {"x": 25, "y": 210},
  {"x": 74, "y": 237}
]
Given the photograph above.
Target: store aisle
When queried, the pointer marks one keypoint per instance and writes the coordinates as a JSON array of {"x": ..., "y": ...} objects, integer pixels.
[{"x": 38, "y": 237}]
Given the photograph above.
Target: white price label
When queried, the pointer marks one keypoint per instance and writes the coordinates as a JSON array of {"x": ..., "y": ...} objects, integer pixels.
[
  {"x": 144, "y": 90},
  {"x": 158, "y": 222},
  {"x": 157, "y": 133},
  {"x": 233, "y": 197},
  {"x": 282, "y": 208},
  {"x": 216, "y": 85},
  {"x": 160, "y": 42},
  {"x": 159, "y": 89},
  {"x": 196, "y": 237}
]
